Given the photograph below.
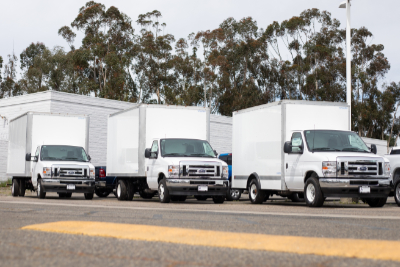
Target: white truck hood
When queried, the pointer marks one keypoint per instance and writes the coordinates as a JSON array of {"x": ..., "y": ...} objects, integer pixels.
[
  {"x": 332, "y": 156},
  {"x": 177, "y": 160},
  {"x": 76, "y": 163}
]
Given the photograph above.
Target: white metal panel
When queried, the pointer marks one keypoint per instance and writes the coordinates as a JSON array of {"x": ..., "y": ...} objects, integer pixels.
[
  {"x": 164, "y": 122},
  {"x": 123, "y": 143},
  {"x": 313, "y": 116},
  {"x": 3, "y": 159},
  {"x": 58, "y": 130},
  {"x": 381, "y": 145},
  {"x": 17, "y": 146},
  {"x": 257, "y": 146}
]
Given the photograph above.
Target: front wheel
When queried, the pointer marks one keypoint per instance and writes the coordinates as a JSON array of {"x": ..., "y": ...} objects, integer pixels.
[
  {"x": 397, "y": 193},
  {"x": 40, "y": 192},
  {"x": 201, "y": 198},
  {"x": 163, "y": 193},
  {"x": 102, "y": 192},
  {"x": 233, "y": 194},
  {"x": 256, "y": 195},
  {"x": 89, "y": 196},
  {"x": 15, "y": 188},
  {"x": 313, "y": 193},
  {"x": 376, "y": 202},
  {"x": 218, "y": 199}
]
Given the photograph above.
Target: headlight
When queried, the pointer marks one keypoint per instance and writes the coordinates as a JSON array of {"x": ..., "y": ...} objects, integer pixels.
[
  {"x": 225, "y": 172},
  {"x": 386, "y": 171},
  {"x": 329, "y": 168},
  {"x": 47, "y": 172},
  {"x": 91, "y": 174},
  {"x": 173, "y": 171}
]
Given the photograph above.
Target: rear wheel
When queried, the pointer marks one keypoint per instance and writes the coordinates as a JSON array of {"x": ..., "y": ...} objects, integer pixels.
[
  {"x": 62, "y": 195},
  {"x": 313, "y": 193},
  {"x": 122, "y": 190},
  {"x": 178, "y": 198},
  {"x": 130, "y": 191},
  {"x": 102, "y": 192},
  {"x": 397, "y": 192},
  {"x": 146, "y": 195},
  {"x": 218, "y": 199},
  {"x": 376, "y": 202},
  {"x": 201, "y": 198},
  {"x": 163, "y": 193},
  {"x": 233, "y": 194},
  {"x": 40, "y": 190},
  {"x": 15, "y": 187},
  {"x": 256, "y": 195},
  {"x": 89, "y": 196},
  {"x": 22, "y": 187},
  {"x": 297, "y": 197}
]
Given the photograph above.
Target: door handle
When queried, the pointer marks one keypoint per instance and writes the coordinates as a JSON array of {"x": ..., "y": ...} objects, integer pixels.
[{"x": 287, "y": 165}]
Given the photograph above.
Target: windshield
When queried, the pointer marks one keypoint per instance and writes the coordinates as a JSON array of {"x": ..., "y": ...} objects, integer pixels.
[
  {"x": 63, "y": 153},
  {"x": 325, "y": 140},
  {"x": 186, "y": 148}
]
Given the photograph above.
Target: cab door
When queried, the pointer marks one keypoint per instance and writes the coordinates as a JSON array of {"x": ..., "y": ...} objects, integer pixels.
[
  {"x": 34, "y": 164},
  {"x": 294, "y": 173},
  {"x": 152, "y": 174}
]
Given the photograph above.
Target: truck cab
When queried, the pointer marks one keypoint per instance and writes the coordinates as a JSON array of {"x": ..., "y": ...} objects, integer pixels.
[
  {"x": 62, "y": 169},
  {"x": 178, "y": 167},
  {"x": 333, "y": 163},
  {"x": 394, "y": 159}
]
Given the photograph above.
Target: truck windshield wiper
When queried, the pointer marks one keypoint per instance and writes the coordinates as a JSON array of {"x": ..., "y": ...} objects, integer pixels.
[
  {"x": 354, "y": 149},
  {"x": 201, "y": 155},
  {"x": 326, "y": 148},
  {"x": 174, "y": 154}
]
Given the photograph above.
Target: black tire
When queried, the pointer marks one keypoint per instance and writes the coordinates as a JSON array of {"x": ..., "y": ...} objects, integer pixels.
[
  {"x": 201, "y": 198},
  {"x": 297, "y": 197},
  {"x": 175, "y": 198},
  {"x": 163, "y": 193},
  {"x": 397, "y": 192},
  {"x": 62, "y": 195},
  {"x": 146, "y": 195},
  {"x": 89, "y": 196},
  {"x": 15, "y": 187},
  {"x": 68, "y": 195},
  {"x": 22, "y": 187},
  {"x": 182, "y": 198},
  {"x": 102, "y": 192},
  {"x": 122, "y": 189},
  {"x": 256, "y": 195},
  {"x": 218, "y": 199},
  {"x": 313, "y": 193},
  {"x": 376, "y": 202},
  {"x": 130, "y": 191},
  {"x": 233, "y": 194},
  {"x": 40, "y": 192}
]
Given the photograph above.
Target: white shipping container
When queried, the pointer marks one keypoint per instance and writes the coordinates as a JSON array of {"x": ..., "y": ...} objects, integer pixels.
[
  {"x": 259, "y": 134},
  {"x": 32, "y": 129},
  {"x": 131, "y": 131}
]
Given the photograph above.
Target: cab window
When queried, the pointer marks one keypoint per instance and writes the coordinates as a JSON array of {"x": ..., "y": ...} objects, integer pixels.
[
  {"x": 297, "y": 142},
  {"x": 154, "y": 149}
]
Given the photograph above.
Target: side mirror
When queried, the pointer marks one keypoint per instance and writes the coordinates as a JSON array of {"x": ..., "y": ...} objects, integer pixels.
[
  {"x": 287, "y": 148},
  {"x": 373, "y": 149},
  {"x": 147, "y": 153},
  {"x": 215, "y": 153},
  {"x": 28, "y": 157},
  {"x": 89, "y": 158}
]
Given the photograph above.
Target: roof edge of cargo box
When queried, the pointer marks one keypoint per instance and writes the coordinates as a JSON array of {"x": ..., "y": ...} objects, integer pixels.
[
  {"x": 157, "y": 106},
  {"x": 301, "y": 102},
  {"x": 48, "y": 113}
]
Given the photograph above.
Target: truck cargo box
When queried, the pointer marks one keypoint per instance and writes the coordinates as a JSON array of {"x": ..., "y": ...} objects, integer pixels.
[
  {"x": 131, "y": 131},
  {"x": 259, "y": 134},
  {"x": 32, "y": 129}
]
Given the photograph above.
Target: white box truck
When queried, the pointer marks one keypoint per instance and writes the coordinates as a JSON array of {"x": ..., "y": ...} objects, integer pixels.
[
  {"x": 48, "y": 153},
  {"x": 305, "y": 148},
  {"x": 179, "y": 161},
  {"x": 394, "y": 159}
]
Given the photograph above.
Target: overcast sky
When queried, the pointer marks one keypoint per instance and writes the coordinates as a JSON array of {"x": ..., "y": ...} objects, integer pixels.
[{"x": 27, "y": 21}]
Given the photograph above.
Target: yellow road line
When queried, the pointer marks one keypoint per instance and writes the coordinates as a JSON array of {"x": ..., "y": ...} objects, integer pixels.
[{"x": 352, "y": 248}]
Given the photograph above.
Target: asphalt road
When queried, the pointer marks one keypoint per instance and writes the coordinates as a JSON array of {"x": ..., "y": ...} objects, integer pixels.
[{"x": 275, "y": 220}]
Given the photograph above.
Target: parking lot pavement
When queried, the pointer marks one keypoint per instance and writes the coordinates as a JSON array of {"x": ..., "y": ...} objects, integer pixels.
[{"x": 237, "y": 219}]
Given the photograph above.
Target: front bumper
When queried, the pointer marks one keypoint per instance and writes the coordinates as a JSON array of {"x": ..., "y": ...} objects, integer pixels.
[
  {"x": 60, "y": 186},
  {"x": 186, "y": 187},
  {"x": 332, "y": 187}
]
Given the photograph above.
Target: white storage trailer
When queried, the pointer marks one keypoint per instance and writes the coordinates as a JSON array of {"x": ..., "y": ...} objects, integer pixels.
[
  {"x": 34, "y": 129},
  {"x": 279, "y": 147}
]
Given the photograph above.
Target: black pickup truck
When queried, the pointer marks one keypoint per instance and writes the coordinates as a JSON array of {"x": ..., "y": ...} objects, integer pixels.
[{"x": 104, "y": 184}]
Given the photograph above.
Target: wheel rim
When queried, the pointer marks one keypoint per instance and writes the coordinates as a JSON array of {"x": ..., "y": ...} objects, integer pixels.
[
  {"x": 161, "y": 191},
  {"x": 398, "y": 192},
  {"x": 235, "y": 193},
  {"x": 38, "y": 189},
  {"x": 310, "y": 192},
  {"x": 253, "y": 191},
  {"x": 119, "y": 191}
]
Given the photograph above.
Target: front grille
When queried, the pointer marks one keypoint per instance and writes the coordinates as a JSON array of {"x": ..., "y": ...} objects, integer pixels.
[
  {"x": 71, "y": 172},
  {"x": 201, "y": 171},
  {"x": 362, "y": 168}
]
